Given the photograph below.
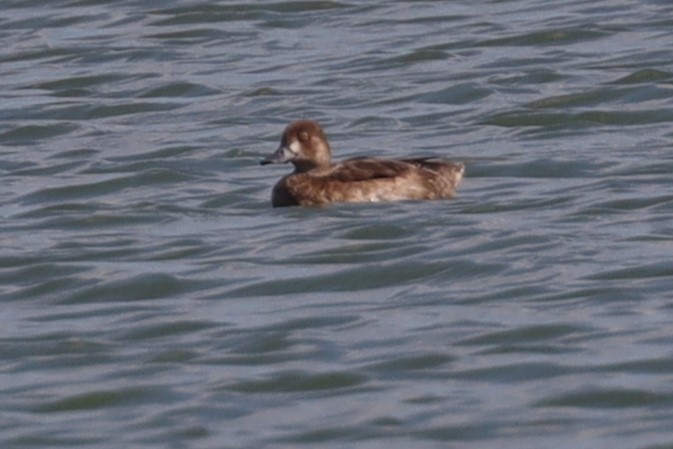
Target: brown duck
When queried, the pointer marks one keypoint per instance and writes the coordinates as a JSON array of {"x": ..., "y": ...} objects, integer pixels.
[{"x": 316, "y": 180}]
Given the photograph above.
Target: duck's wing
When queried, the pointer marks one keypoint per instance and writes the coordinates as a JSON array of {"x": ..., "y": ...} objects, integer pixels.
[
  {"x": 366, "y": 168},
  {"x": 438, "y": 165}
]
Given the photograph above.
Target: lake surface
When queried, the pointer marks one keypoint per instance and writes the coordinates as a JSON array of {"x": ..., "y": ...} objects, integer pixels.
[{"x": 150, "y": 297}]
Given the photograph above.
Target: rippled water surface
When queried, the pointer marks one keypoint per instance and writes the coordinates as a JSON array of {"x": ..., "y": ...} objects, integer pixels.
[{"x": 151, "y": 297}]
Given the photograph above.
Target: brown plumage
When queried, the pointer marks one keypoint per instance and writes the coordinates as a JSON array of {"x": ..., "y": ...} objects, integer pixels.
[{"x": 316, "y": 180}]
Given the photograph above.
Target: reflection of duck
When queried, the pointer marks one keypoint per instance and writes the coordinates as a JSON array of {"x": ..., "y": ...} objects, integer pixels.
[{"x": 316, "y": 180}]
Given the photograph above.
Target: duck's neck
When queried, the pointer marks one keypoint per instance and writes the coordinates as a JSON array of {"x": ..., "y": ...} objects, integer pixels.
[
  {"x": 320, "y": 159},
  {"x": 304, "y": 166}
]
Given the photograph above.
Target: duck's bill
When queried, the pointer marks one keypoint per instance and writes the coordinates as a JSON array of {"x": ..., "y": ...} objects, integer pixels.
[{"x": 282, "y": 155}]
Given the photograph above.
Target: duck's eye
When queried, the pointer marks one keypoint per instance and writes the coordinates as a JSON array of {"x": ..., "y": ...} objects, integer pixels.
[{"x": 303, "y": 136}]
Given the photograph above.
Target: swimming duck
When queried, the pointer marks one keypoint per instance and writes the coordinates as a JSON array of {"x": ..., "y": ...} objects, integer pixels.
[{"x": 316, "y": 180}]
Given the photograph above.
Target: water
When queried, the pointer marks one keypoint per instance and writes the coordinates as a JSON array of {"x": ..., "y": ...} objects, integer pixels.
[{"x": 151, "y": 297}]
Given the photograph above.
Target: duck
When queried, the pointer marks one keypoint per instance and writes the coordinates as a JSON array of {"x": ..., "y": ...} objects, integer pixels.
[{"x": 318, "y": 181}]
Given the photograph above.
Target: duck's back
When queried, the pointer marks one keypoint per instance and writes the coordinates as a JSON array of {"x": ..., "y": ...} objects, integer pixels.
[{"x": 370, "y": 180}]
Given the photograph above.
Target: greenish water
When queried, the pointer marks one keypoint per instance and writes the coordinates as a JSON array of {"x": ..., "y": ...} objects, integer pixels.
[{"x": 151, "y": 297}]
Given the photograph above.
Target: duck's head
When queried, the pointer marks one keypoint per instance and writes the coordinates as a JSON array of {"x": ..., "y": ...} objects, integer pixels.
[{"x": 304, "y": 144}]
